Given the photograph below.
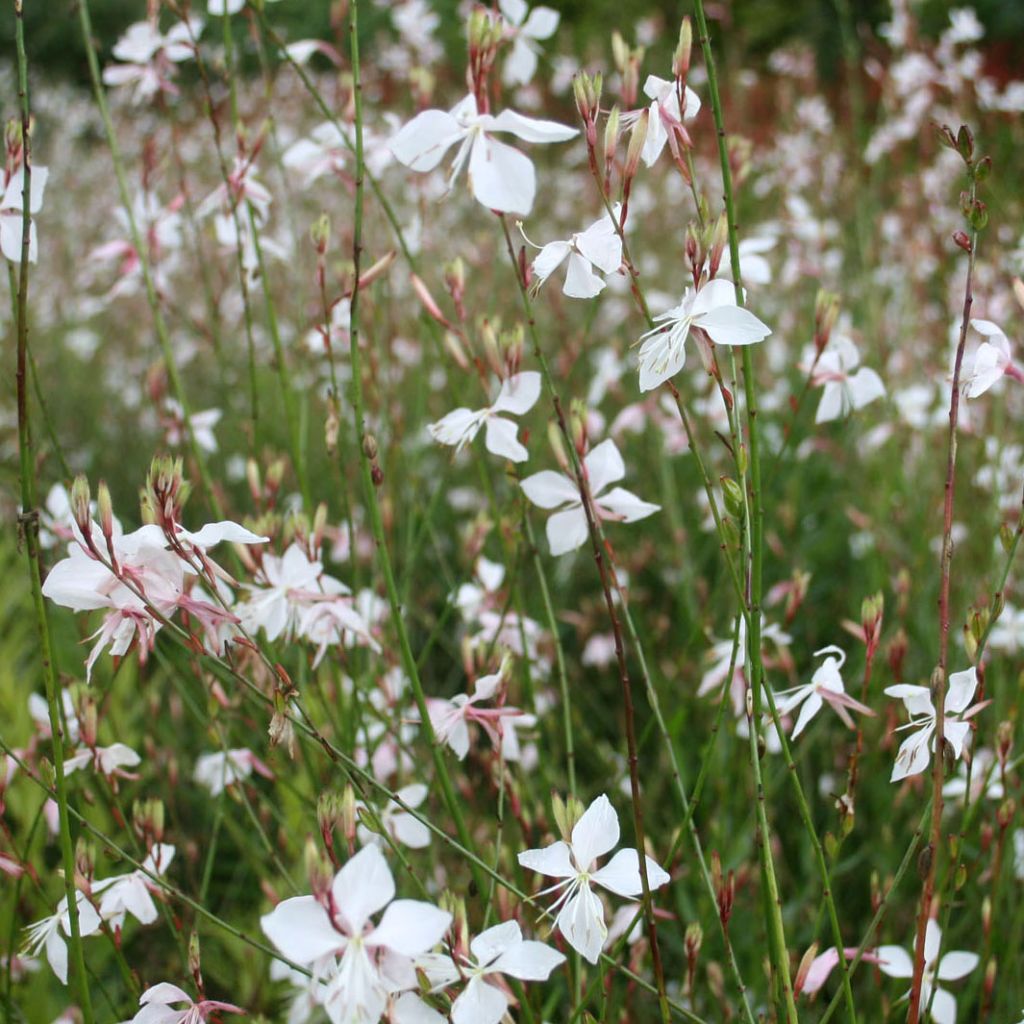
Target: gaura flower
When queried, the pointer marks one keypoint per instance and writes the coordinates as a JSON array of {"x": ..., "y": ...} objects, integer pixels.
[
  {"x": 846, "y": 387},
  {"x": 915, "y": 751},
  {"x": 581, "y": 914},
  {"x": 49, "y": 933},
  {"x": 397, "y": 822},
  {"x": 495, "y": 952},
  {"x": 517, "y": 396},
  {"x": 110, "y": 761},
  {"x": 713, "y": 310},
  {"x": 157, "y": 1006},
  {"x": 567, "y": 528},
  {"x": 898, "y": 963},
  {"x": 988, "y": 363},
  {"x": 224, "y": 768},
  {"x": 599, "y": 246},
  {"x": 526, "y": 28},
  {"x": 501, "y": 178},
  {"x": 361, "y": 963},
  {"x": 149, "y": 57},
  {"x": 665, "y": 123},
  {"x": 826, "y": 685},
  {"x": 130, "y": 893}
]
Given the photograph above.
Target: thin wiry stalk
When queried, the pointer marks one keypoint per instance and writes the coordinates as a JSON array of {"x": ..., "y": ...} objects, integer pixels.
[
  {"x": 29, "y": 524},
  {"x": 941, "y": 672}
]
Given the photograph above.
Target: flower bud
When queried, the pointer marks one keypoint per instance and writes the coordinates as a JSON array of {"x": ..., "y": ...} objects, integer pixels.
[
  {"x": 319, "y": 871},
  {"x": 557, "y": 446},
  {"x": 681, "y": 56},
  {"x": 612, "y": 128},
  {"x": 965, "y": 143},
  {"x": 320, "y": 233},
  {"x": 961, "y": 239},
  {"x": 637, "y": 138},
  {"x": 332, "y": 425},
  {"x": 578, "y": 426},
  {"x": 195, "y": 957},
  {"x": 80, "y": 502},
  {"x": 733, "y": 495}
]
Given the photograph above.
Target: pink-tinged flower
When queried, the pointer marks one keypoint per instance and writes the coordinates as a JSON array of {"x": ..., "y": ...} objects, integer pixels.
[
  {"x": 813, "y": 976},
  {"x": 898, "y": 963},
  {"x": 598, "y": 247},
  {"x": 109, "y": 761},
  {"x": 517, "y": 396},
  {"x": 915, "y": 751},
  {"x": 148, "y": 57},
  {"x": 10, "y": 866},
  {"x": 324, "y": 152},
  {"x": 162, "y": 1004},
  {"x": 665, "y": 123},
  {"x": 712, "y": 310},
  {"x": 526, "y": 28},
  {"x": 567, "y": 528},
  {"x": 225, "y": 768},
  {"x": 500, "y": 177},
  {"x": 450, "y": 718},
  {"x": 48, "y": 934},
  {"x": 846, "y": 388},
  {"x": 241, "y": 187},
  {"x": 826, "y": 685},
  {"x": 131, "y": 893},
  {"x": 11, "y": 215},
  {"x": 495, "y": 952},
  {"x": 200, "y": 424},
  {"x": 988, "y": 362},
  {"x": 334, "y": 622},
  {"x": 361, "y": 963},
  {"x": 581, "y": 914}
]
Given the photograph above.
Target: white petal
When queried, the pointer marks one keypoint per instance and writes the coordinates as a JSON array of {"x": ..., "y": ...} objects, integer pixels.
[
  {"x": 621, "y": 874},
  {"x": 548, "y": 489},
  {"x": 595, "y": 833},
  {"x": 662, "y": 355},
  {"x": 913, "y": 756},
  {"x": 423, "y": 142},
  {"x": 214, "y": 533},
  {"x": 811, "y": 707},
  {"x": 961, "y": 690},
  {"x": 501, "y": 440},
  {"x": 301, "y": 929},
  {"x": 165, "y": 993},
  {"x": 604, "y": 466},
  {"x": 552, "y": 860},
  {"x": 626, "y": 505},
  {"x": 513, "y": 11},
  {"x": 521, "y": 63},
  {"x": 956, "y": 965},
  {"x": 491, "y": 943},
  {"x": 410, "y": 927},
  {"x": 479, "y": 1003},
  {"x": 529, "y": 129},
  {"x": 865, "y": 386},
  {"x": 458, "y": 428},
  {"x": 733, "y": 325},
  {"x": 943, "y": 1007},
  {"x": 601, "y": 245},
  {"x": 581, "y": 921},
  {"x": 518, "y": 394},
  {"x": 408, "y": 1008},
  {"x": 895, "y": 961},
  {"x": 580, "y": 281},
  {"x": 548, "y": 260},
  {"x": 501, "y": 177},
  {"x": 362, "y": 887},
  {"x": 567, "y": 530},
  {"x": 529, "y": 961},
  {"x": 542, "y": 23}
]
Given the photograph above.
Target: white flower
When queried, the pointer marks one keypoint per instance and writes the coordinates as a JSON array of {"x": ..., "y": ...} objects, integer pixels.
[
  {"x": 49, "y": 933},
  {"x": 156, "y": 1006},
  {"x": 826, "y": 685},
  {"x": 567, "y": 528},
  {"x": 500, "y": 177},
  {"x": 713, "y": 309},
  {"x": 754, "y": 268},
  {"x": 914, "y": 753},
  {"x": 598, "y": 246},
  {"x": 403, "y": 827},
  {"x": 496, "y": 951},
  {"x": 666, "y": 119},
  {"x": 375, "y": 960},
  {"x": 983, "y": 367},
  {"x": 11, "y": 213},
  {"x": 844, "y": 389},
  {"x": 527, "y": 28},
  {"x": 517, "y": 396},
  {"x": 129, "y": 894},
  {"x": 898, "y": 963},
  {"x": 324, "y": 152},
  {"x": 581, "y": 914},
  {"x": 110, "y": 760},
  {"x": 226, "y": 767}
]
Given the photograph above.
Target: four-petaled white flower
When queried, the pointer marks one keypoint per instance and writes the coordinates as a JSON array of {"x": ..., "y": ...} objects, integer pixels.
[
  {"x": 846, "y": 387},
  {"x": 11, "y": 216},
  {"x": 397, "y": 822},
  {"x": 527, "y": 28},
  {"x": 361, "y": 963},
  {"x": 666, "y": 119},
  {"x": 713, "y": 310},
  {"x": 517, "y": 396},
  {"x": 130, "y": 893},
  {"x": 567, "y": 528},
  {"x": 157, "y": 1006},
  {"x": 149, "y": 57},
  {"x": 898, "y": 963},
  {"x": 494, "y": 952},
  {"x": 501, "y": 178},
  {"x": 598, "y": 246},
  {"x": 826, "y": 685},
  {"x": 989, "y": 361},
  {"x": 48, "y": 934},
  {"x": 224, "y": 768},
  {"x": 581, "y": 914},
  {"x": 915, "y": 751}
]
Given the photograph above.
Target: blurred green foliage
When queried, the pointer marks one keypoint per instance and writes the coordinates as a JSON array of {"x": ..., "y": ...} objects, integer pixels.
[{"x": 750, "y": 28}]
